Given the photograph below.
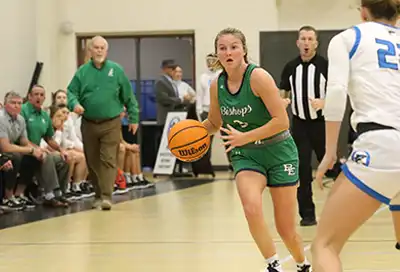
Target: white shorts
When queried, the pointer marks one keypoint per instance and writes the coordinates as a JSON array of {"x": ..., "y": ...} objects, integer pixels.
[{"x": 374, "y": 166}]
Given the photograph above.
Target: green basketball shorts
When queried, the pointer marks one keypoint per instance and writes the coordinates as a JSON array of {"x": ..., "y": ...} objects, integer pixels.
[{"x": 278, "y": 162}]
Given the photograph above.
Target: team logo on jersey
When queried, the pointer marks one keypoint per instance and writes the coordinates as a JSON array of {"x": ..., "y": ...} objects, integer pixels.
[
  {"x": 361, "y": 157},
  {"x": 233, "y": 111},
  {"x": 241, "y": 124},
  {"x": 111, "y": 72}
]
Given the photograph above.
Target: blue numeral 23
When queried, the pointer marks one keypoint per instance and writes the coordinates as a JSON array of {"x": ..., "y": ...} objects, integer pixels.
[{"x": 389, "y": 51}]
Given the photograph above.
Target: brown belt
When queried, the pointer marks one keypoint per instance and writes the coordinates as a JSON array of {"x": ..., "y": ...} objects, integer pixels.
[{"x": 99, "y": 121}]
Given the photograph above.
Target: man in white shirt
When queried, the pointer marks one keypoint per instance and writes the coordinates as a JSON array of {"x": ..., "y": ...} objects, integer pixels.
[{"x": 203, "y": 88}]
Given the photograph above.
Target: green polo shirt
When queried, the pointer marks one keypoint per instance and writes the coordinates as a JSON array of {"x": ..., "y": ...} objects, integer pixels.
[
  {"x": 38, "y": 123},
  {"x": 102, "y": 92}
]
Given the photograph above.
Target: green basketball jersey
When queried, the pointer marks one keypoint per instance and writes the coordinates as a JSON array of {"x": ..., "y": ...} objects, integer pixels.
[{"x": 243, "y": 110}]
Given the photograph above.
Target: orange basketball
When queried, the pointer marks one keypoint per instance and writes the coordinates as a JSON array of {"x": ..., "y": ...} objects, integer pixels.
[{"x": 188, "y": 140}]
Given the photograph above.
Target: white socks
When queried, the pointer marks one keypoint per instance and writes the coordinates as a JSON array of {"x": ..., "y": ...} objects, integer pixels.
[
  {"x": 137, "y": 178},
  {"x": 275, "y": 263},
  {"x": 303, "y": 263}
]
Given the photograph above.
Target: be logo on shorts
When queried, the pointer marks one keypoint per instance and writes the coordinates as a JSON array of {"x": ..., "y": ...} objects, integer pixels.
[{"x": 289, "y": 169}]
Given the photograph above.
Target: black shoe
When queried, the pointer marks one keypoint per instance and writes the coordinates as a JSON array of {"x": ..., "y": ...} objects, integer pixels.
[
  {"x": 64, "y": 200},
  {"x": 26, "y": 202},
  {"x": 273, "y": 267},
  {"x": 54, "y": 203},
  {"x": 76, "y": 195},
  {"x": 69, "y": 196},
  {"x": 140, "y": 184},
  {"x": 304, "y": 268},
  {"x": 398, "y": 246},
  {"x": 307, "y": 222},
  {"x": 86, "y": 189},
  {"x": 12, "y": 204},
  {"x": 37, "y": 200},
  {"x": 146, "y": 183}
]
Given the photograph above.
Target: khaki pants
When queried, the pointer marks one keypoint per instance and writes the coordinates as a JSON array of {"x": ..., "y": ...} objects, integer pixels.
[{"x": 101, "y": 144}]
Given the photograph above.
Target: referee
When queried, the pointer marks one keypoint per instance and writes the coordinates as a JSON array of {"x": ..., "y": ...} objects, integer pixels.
[{"x": 304, "y": 78}]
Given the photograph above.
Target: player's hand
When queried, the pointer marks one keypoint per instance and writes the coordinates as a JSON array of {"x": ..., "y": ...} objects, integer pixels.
[
  {"x": 7, "y": 166},
  {"x": 233, "y": 138},
  {"x": 64, "y": 155},
  {"x": 38, "y": 153},
  {"x": 286, "y": 102},
  {"x": 135, "y": 148},
  {"x": 78, "y": 109},
  {"x": 133, "y": 128},
  {"x": 327, "y": 163},
  {"x": 317, "y": 104}
]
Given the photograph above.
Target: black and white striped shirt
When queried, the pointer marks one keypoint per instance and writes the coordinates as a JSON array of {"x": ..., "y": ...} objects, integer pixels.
[{"x": 305, "y": 80}]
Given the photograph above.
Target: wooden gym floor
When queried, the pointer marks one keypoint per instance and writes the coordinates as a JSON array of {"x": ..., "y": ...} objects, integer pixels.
[{"x": 173, "y": 229}]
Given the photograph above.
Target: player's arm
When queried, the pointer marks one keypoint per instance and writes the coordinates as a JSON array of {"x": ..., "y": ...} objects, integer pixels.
[
  {"x": 264, "y": 86},
  {"x": 214, "y": 119},
  {"x": 336, "y": 93}
]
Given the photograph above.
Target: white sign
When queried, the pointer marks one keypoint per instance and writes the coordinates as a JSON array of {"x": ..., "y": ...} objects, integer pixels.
[{"x": 165, "y": 162}]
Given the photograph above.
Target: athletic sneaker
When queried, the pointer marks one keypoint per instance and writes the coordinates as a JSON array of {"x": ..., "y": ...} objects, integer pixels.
[
  {"x": 275, "y": 266},
  {"x": 23, "y": 200},
  {"x": 304, "y": 268},
  {"x": 12, "y": 204}
]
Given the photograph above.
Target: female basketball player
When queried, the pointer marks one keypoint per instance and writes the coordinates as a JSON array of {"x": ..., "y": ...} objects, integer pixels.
[
  {"x": 364, "y": 61},
  {"x": 246, "y": 99}
]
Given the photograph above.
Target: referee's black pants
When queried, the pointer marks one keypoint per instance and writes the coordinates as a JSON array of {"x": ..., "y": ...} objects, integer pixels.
[{"x": 309, "y": 135}]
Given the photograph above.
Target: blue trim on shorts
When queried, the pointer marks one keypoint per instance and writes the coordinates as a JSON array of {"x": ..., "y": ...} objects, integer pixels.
[
  {"x": 394, "y": 208},
  {"x": 356, "y": 42},
  {"x": 363, "y": 187}
]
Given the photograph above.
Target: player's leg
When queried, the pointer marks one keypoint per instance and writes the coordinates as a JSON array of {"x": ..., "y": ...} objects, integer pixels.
[
  {"x": 285, "y": 209},
  {"x": 250, "y": 186},
  {"x": 395, "y": 209},
  {"x": 128, "y": 163},
  {"x": 283, "y": 179},
  {"x": 121, "y": 156},
  {"x": 369, "y": 178},
  {"x": 396, "y": 223},
  {"x": 345, "y": 211}
]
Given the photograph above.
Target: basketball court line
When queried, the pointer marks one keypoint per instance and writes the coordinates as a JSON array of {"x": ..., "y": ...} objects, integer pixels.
[{"x": 308, "y": 247}]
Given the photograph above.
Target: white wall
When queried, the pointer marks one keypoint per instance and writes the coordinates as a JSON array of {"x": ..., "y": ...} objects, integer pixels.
[
  {"x": 18, "y": 46},
  {"x": 154, "y": 15},
  {"x": 323, "y": 14}
]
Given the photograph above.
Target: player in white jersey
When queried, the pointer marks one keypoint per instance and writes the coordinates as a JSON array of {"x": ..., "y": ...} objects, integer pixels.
[{"x": 364, "y": 63}]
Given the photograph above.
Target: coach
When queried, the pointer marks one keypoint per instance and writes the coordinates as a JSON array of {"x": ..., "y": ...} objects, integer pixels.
[
  {"x": 304, "y": 79},
  {"x": 99, "y": 91}
]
